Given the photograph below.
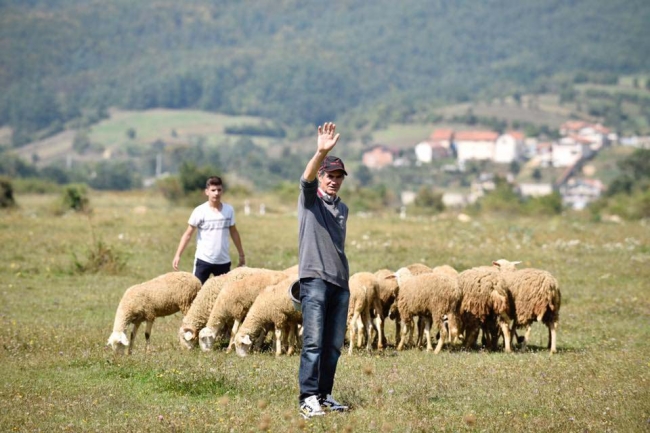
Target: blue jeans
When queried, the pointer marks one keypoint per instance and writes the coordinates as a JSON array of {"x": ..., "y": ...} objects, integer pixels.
[{"x": 324, "y": 321}]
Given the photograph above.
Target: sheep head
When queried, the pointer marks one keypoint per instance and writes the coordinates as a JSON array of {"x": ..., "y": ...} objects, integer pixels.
[
  {"x": 118, "y": 341},
  {"x": 187, "y": 336},
  {"x": 243, "y": 344},
  {"x": 505, "y": 265},
  {"x": 207, "y": 337}
]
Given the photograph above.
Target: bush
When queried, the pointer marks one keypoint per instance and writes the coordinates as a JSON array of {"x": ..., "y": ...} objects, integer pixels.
[
  {"x": 74, "y": 197},
  {"x": 6, "y": 193},
  {"x": 100, "y": 258},
  {"x": 545, "y": 205}
]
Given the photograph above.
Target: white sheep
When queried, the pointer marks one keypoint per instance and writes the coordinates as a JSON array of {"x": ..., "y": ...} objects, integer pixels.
[
  {"x": 272, "y": 308},
  {"x": 364, "y": 301},
  {"x": 537, "y": 297},
  {"x": 425, "y": 320},
  {"x": 487, "y": 304},
  {"x": 232, "y": 304},
  {"x": 434, "y": 295},
  {"x": 388, "y": 291},
  {"x": 198, "y": 314},
  {"x": 159, "y": 297}
]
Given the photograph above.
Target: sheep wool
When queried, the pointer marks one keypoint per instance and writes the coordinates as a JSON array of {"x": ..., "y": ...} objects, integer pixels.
[
  {"x": 364, "y": 301},
  {"x": 272, "y": 309},
  {"x": 199, "y": 312},
  {"x": 232, "y": 305},
  {"x": 537, "y": 298},
  {"x": 436, "y": 297},
  {"x": 487, "y": 303},
  {"x": 388, "y": 291},
  {"x": 159, "y": 297}
]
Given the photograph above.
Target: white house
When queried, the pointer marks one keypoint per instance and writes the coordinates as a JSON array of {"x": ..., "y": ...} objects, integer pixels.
[
  {"x": 509, "y": 147},
  {"x": 477, "y": 145},
  {"x": 437, "y": 146},
  {"x": 578, "y": 193},
  {"x": 570, "y": 150}
]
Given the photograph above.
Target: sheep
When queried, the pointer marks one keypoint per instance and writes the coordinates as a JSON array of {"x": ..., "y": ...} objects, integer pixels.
[
  {"x": 487, "y": 303},
  {"x": 425, "y": 320},
  {"x": 388, "y": 291},
  {"x": 232, "y": 304},
  {"x": 199, "y": 312},
  {"x": 434, "y": 294},
  {"x": 271, "y": 307},
  {"x": 159, "y": 297},
  {"x": 537, "y": 297},
  {"x": 364, "y": 297}
]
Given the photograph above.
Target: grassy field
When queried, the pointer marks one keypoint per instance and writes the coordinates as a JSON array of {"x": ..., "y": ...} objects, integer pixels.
[{"x": 57, "y": 374}]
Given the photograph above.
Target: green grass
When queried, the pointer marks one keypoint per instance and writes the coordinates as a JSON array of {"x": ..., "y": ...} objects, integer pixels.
[
  {"x": 152, "y": 125},
  {"x": 57, "y": 374}
]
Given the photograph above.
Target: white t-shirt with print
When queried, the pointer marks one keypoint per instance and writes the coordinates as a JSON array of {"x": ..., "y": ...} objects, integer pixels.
[{"x": 213, "y": 234}]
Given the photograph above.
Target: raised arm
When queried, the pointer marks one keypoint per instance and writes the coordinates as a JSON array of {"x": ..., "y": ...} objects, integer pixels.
[{"x": 327, "y": 139}]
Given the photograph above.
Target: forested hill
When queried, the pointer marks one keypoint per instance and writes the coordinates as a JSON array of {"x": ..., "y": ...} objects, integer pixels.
[{"x": 301, "y": 61}]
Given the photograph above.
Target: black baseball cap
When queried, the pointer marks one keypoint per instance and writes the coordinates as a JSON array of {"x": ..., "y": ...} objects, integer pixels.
[{"x": 332, "y": 163}]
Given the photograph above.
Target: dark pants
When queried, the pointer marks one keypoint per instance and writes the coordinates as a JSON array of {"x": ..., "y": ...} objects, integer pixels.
[
  {"x": 202, "y": 269},
  {"x": 324, "y": 317}
]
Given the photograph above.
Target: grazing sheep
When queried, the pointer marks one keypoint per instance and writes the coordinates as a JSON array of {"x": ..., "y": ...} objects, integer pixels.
[
  {"x": 364, "y": 298},
  {"x": 487, "y": 304},
  {"x": 537, "y": 297},
  {"x": 434, "y": 295},
  {"x": 272, "y": 307},
  {"x": 232, "y": 304},
  {"x": 197, "y": 317},
  {"x": 161, "y": 296}
]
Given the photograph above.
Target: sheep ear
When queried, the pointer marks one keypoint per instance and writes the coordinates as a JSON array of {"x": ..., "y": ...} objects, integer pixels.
[
  {"x": 496, "y": 264},
  {"x": 123, "y": 340},
  {"x": 246, "y": 340},
  {"x": 515, "y": 263},
  {"x": 391, "y": 277}
]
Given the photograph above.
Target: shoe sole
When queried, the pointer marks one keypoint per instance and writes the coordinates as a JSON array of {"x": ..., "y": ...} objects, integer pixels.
[{"x": 307, "y": 416}]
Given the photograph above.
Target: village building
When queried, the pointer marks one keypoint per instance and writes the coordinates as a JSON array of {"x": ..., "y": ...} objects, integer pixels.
[{"x": 378, "y": 156}]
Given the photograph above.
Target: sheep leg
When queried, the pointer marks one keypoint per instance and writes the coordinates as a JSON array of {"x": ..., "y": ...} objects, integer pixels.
[
  {"x": 444, "y": 334},
  {"x": 260, "y": 339},
  {"x": 552, "y": 337},
  {"x": 291, "y": 338},
  {"x": 278, "y": 341},
  {"x": 368, "y": 324},
  {"x": 472, "y": 336},
  {"x": 231, "y": 343},
  {"x": 403, "y": 334},
  {"x": 360, "y": 331},
  {"x": 409, "y": 326},
  {"x": 427, "y": 331},
  {"x": 505, "y": 328},
  {"x": 134, "y": 332},
  {"x": 147, "y": 335},
  {"x": 379, "y": 326},
  {"x": 352, "y": 329}
]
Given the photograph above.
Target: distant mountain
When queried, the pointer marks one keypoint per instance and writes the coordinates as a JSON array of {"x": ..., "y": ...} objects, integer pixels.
[{"x": 300, "y": 62}]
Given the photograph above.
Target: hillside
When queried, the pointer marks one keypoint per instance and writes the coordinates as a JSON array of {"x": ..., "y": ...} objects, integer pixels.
[{"x": 295, "y": 62}]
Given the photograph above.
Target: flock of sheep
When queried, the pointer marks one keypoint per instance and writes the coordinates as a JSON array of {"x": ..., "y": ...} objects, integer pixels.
[{"x": 246, "y": 304}]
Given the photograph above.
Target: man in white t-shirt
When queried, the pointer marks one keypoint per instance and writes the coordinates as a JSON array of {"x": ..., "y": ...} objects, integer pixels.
[{"x": 215, "y": 222}]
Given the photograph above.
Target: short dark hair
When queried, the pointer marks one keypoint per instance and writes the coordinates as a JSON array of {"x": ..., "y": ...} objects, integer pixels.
[{"x": 213, "y": 181}]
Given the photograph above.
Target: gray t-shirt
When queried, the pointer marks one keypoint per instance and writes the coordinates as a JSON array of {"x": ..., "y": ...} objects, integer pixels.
[{"x": 321, "y": 236}]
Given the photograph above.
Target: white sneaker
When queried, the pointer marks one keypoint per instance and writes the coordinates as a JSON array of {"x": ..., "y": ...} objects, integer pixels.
[
  {"x": 329, "y": 403},
  {"x": 310, "y": 407}
]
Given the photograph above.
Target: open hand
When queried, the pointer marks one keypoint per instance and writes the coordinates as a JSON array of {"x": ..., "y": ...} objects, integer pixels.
[{"x": 326, "y": 136}]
